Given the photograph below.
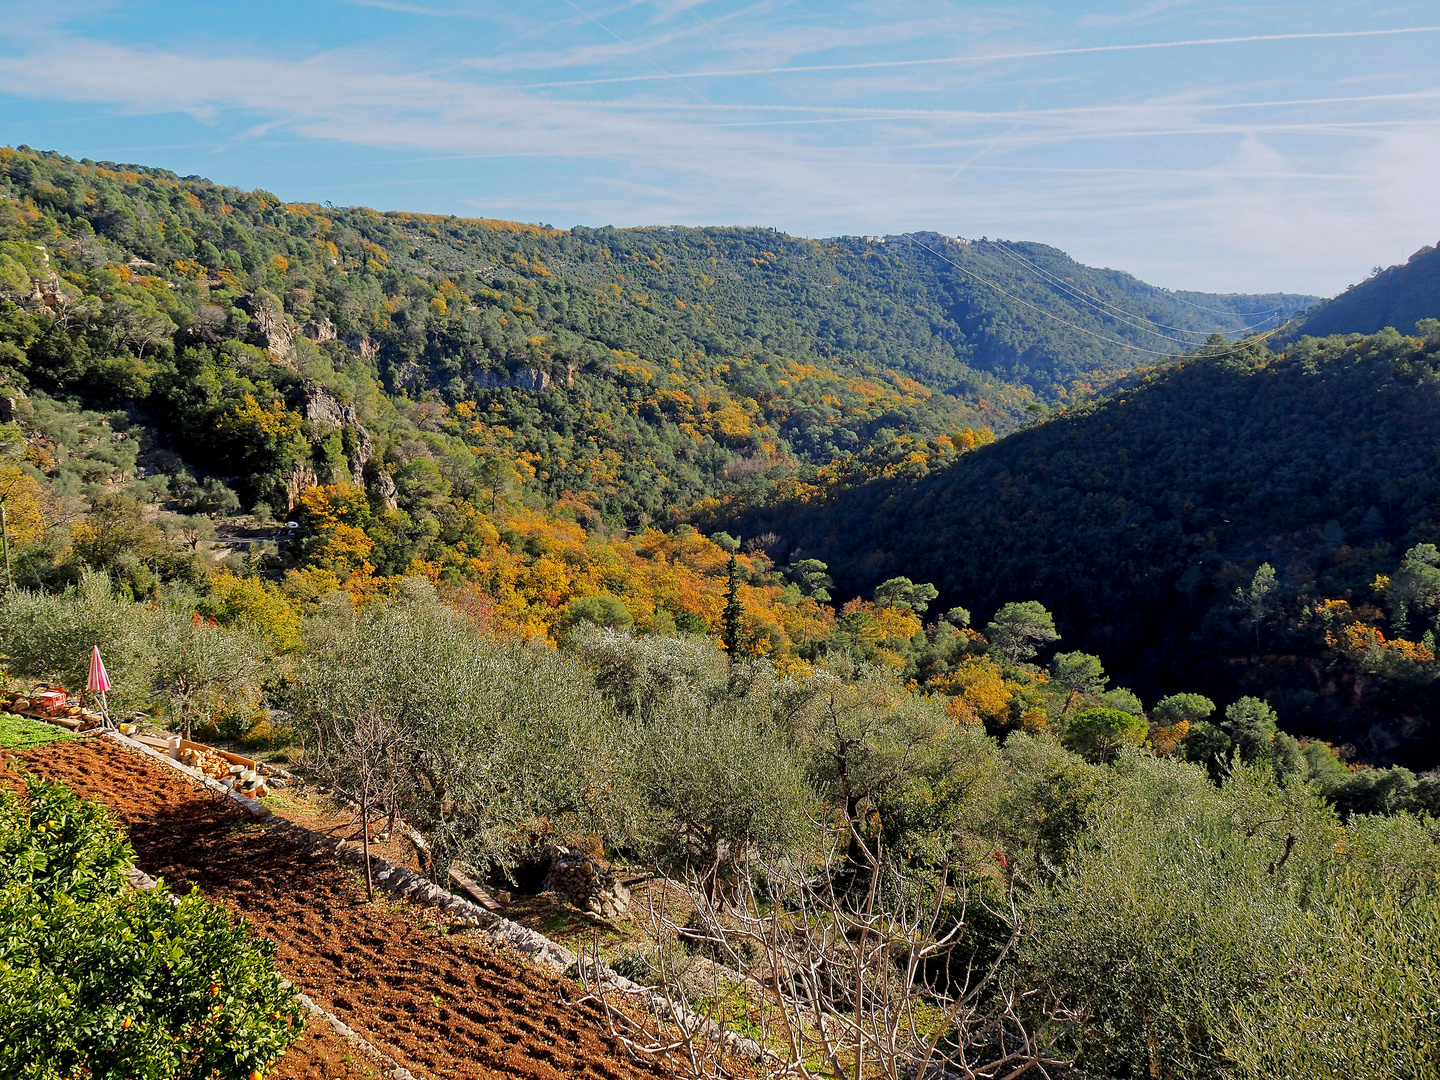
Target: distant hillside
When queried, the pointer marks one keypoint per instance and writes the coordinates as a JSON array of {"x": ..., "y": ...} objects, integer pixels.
[
  {"x": 943, "y": 311},
  {"x": 1400, "y": 297},
  {"x": 640, "y": 369},
  {"x": 1137, "y": 518}
]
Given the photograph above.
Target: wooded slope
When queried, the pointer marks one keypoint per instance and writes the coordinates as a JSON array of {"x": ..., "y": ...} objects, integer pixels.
[
  {"x": 1136, "y": 519},
  {"x": 1399, "y": 297}
]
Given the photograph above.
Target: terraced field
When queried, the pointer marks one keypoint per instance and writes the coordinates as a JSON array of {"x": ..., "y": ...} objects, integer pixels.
[{"x": 446, "y": 1006}]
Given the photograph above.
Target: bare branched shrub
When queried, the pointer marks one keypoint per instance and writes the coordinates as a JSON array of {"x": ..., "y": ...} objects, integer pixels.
[
  {"x": 686, "y": 1014},
  {"x": 844, "y": 977},
  {"x": 656, "y": 1023},
  {"x": 354, "y": 750},
  {"x": 767, "y": 543}
]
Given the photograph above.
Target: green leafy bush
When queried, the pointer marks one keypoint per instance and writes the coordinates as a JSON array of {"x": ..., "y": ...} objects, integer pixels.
[
  {"x": 57, "y": 844},
  {"x": 108, "y": 984},
  {"x": 1098, "y": 734},
  {"x": 1202, "y": 931},
  {"x": 602, "y": 610}
]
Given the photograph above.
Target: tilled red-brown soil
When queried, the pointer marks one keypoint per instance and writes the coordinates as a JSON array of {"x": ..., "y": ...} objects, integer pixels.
[
  {"x": 444, "y": 1006},
  {"x": 320, "y": 1054}
]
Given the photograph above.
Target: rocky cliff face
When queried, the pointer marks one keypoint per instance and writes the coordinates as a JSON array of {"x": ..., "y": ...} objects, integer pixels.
[
  {"x": 526, "y": 378},
  {"x": 302, "y": 477},
  {"x": 324, "y": 410},
  {"x": 270, "y": 326}
]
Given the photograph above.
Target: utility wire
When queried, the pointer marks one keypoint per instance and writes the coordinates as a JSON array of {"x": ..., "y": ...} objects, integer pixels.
[
  {"x": 1066, "y": 322},
  {"x": 1036, "y": 307},
  {"x": 1138, "y": 322},
  {"x": 1096, "y": 302},
  {"x": 1216, "y": 311}
]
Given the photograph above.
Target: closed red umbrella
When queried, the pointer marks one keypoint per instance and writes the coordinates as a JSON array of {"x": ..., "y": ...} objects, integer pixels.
[{"x": 98, "y": 682}]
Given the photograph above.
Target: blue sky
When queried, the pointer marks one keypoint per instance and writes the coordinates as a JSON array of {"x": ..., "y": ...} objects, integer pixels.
[{"x": 1225, "y": 146}]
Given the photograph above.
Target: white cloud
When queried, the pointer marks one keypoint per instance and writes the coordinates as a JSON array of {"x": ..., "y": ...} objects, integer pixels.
[
  {"x": 1144, "y": 13},
  {"x": 1281, "y": 182}
]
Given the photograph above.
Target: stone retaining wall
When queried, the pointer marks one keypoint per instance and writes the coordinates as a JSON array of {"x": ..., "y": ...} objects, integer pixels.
[{"x": 417, "y": 890}]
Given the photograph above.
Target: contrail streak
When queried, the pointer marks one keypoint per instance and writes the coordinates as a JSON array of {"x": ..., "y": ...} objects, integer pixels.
[
  {"x": 663, "y": 74},
  {"x": 988, "y": 58},
  {"x": 1014, "y": 114}
]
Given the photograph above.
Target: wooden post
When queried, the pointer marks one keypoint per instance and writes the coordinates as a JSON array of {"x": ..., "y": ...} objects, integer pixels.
[{"x": 365, "y": 827}]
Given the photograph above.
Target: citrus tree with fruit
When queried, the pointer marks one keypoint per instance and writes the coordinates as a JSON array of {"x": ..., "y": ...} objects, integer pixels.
[{"x": 99, "y": 981}]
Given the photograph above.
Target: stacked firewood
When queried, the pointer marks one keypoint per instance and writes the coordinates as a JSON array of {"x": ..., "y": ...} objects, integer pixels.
[
  {"x": 69, "y": 715},
  {"x": 255, "y": 780}
]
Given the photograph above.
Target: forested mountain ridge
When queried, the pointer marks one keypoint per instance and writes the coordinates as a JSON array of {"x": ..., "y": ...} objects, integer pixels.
[
  {"x": 642, "y": 368},
  {"x": 511, "y": 410},
  {"x": 185, "y": 300},
  {"x": 1142, "y": 519},
  {"x": 1399, "y": 296},
  {"x": 893, "y": 302}
]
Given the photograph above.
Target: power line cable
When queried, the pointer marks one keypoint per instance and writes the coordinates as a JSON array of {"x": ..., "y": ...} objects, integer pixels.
[
  {"x": 1026, "y": 303},
  {"x": 1217, "y": 311},
  {"x": 1096, "y": 302},
  {"x": 1103, "y": 307},
  {"x": 1009, "y": 249},
  {"x": 1066, "y": 322}
]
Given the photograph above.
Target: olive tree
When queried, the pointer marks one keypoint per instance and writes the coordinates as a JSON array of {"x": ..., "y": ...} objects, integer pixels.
[
  {"x": 1356, "y": 989},
  {"x": 708, "y": 750},
  {"x": 891, "y": 762},
  {"x": 1179, "y": 897},
  {"x": 50, "y": 637},
  {"x": 198, "y": 664},
  {"x": 477, "y": 744}
]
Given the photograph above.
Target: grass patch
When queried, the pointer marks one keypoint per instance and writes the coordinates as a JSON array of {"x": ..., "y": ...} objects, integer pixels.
[{"x": 23, "y": 733}]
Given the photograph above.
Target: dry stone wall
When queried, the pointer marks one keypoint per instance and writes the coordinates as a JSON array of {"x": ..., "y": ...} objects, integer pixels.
[{"x": 417, "y": 890}]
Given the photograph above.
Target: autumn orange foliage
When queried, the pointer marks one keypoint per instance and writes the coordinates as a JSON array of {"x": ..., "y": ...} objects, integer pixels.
[{"x": 520, "y": 584}]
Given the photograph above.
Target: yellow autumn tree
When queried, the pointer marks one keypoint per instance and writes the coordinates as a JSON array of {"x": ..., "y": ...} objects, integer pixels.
[
  {"x": 978, "y": 692},
  {"x": 26, "y": 503},
  {"x": 234, "y": 599}
]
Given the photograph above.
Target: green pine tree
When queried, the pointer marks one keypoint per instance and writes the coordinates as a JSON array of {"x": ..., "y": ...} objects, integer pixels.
[{"x": 733, "y": 613}]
